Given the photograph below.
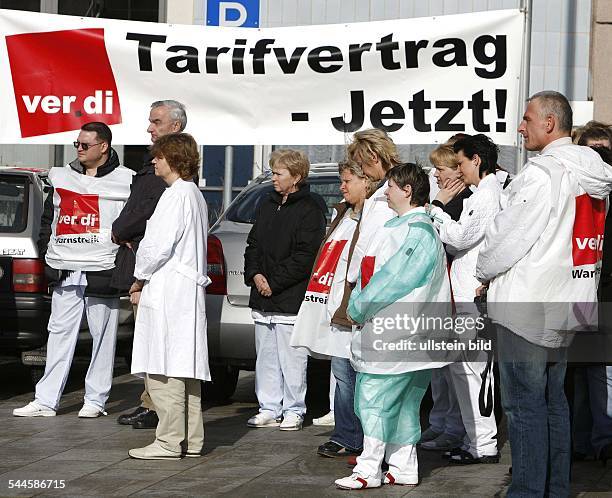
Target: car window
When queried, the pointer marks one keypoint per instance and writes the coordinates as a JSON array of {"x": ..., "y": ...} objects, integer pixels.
[
  {"x": 244, "y": 209},
  {"x": 13, "y": 203}
]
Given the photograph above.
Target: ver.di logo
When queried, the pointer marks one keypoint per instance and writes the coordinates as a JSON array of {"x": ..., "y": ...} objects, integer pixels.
[
  {"x": 325, "y": 267},
  {"x": 588, "y": 233},
  {"x": 62, "y": 80},
  {"x": 79, "y": 213}
]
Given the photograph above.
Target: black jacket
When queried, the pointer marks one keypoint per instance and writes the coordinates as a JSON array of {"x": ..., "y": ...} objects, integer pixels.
[
  {"x": 282, "y": 246},
  {"x": 455, "y": 207},
  {"x": 130, "y": 225},
  {"x": 98, "y": 282}
]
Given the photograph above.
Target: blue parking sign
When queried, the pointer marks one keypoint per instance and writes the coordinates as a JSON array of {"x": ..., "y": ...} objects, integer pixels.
[{"x": 235, "y": 13}]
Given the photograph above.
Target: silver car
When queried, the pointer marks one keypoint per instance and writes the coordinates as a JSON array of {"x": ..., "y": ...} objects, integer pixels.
[
  {"x": 25, "y": 303},
  {"x": 231, "y": 331}
]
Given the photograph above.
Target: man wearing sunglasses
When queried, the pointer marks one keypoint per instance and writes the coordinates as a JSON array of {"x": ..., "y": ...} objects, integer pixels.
[
  {"x": 166, "y": 116},
  {"x": 75, "y": 240}
]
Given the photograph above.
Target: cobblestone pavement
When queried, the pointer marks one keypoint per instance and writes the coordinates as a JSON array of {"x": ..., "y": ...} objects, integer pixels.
[{"x": 89, "y": 456}]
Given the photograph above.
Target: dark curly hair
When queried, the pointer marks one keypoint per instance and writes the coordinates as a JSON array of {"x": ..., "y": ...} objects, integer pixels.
[{"x": 181, "y": 152}]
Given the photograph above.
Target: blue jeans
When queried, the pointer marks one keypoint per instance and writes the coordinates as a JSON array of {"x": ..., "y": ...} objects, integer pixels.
[
  {"x": 347, "y": 430},
  {"x": 592, "y": 408},
  {"x": 538, "y": 416}
]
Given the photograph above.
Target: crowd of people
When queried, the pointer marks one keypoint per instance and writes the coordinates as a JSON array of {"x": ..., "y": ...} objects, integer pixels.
[{"x": 402, "y": 243}]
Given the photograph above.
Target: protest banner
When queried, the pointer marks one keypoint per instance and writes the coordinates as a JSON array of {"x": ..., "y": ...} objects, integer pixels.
[{"x": 420, "y": 79}]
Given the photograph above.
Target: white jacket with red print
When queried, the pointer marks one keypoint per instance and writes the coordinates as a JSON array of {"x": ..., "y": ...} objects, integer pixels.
[{"x": 543, "y": 251}]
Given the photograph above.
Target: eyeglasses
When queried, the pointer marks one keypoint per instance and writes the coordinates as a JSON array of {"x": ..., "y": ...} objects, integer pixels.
[{"x": 85, "y": 146}]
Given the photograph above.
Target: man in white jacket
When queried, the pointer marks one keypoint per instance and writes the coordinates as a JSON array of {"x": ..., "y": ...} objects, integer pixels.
[{"x": 542, "y": 258}]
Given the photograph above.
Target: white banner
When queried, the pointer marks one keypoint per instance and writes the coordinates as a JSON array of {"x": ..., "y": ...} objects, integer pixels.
[{"x": 421, "y": 79}]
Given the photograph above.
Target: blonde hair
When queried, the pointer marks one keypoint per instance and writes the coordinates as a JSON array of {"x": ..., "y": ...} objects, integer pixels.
[
  {"x": 354, "y": 168},
  {"x": 443, "y": 156},
  {"x": 373, "y": 141},
  {"x": 295, "y": 161}
]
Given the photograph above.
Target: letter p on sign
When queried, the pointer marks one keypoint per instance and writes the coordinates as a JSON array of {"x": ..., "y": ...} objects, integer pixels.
[{"x": 237, "y": 13}]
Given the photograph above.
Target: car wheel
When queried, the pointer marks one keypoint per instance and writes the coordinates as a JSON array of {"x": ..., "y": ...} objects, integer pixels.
[
  {"x": 36, "y": 373},
  {"x": 223, "y": 384}
]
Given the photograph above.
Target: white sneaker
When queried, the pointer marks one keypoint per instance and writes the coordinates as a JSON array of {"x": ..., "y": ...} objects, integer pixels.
[
  {"x": 33, "y": 409},
  {"x": 357, "y": 481},
  {"x": 291, "y": 422},
  {"x": 154, "y": 452},
  {"x": 325, "y": 420},
  {"x": 89, "y": 411},
  {"x": 263, "y": 419},
  {"x": 389, "y": 478}
]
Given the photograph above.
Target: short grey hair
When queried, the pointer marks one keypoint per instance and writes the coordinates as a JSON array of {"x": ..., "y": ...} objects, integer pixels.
[
  {"x": 177, "y": 111},
  {"x": 555, "y": 104}
]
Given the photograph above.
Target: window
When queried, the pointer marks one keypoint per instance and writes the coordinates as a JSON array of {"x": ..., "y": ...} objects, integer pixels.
[
  {"x": 31, "y": 5},
  {"x": 244, "y": 209},
  {"x": 132, "y": 10},
  {"x": 13, "y": 203}
]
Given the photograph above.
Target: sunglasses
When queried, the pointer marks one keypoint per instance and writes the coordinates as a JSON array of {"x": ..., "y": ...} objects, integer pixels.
[{"x": 83, "y": 145}]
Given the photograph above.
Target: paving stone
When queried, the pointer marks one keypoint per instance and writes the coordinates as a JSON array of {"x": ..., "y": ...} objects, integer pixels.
[
  {"x": 47, "y": 469},
  {"x": 497, "y": 471},
  {"x": 179, "y": 485},
  {"x": 458, "y": 487},
  {"x": 263, "y": 454},
  {"x": 113, "y": 482},
  {"x": 92, "y": 456},
  {"x": 225, "y": 467},
  {"x": 147, "y": 465}
]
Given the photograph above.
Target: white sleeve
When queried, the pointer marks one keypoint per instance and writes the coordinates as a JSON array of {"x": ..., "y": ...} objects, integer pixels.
[
  {"x": 517, "y": 227},
  {"x": 164, "y": 230},
  {"x": 469, "y": 230},
  {"x": 377, "y": 216}
]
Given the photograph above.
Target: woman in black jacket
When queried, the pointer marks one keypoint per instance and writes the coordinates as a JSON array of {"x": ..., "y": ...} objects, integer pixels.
[{"x": 281, "y": 249}]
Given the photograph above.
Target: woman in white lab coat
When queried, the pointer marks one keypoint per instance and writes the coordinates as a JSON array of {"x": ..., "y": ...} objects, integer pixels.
[{"x": 170, "y": 348}]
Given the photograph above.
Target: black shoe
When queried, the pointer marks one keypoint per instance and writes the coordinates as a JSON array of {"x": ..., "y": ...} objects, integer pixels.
[
  {"x": 334, "y": 450},
  {"x": 449, "y": 453},
  {"x": 604, "y": 454},
  {"x": 148, "y": 421},
  {"x": 130, "y": 418},
  {"x": 463, "y": 457}
]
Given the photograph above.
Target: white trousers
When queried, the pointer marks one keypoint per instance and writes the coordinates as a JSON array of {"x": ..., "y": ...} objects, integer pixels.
[
  {"x": 67, "y": 307},
  {"x": 481, "y": 432},
  {"x": 280, "y": 370},
  {"x": 445, "y": 415},
  {"x": 402, "y": 460}
]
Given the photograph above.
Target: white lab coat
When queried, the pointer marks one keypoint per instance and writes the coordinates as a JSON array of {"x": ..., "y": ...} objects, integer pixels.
[
  {"x": 543, "y": 249},
  {"x": 170, "y": 332}
]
